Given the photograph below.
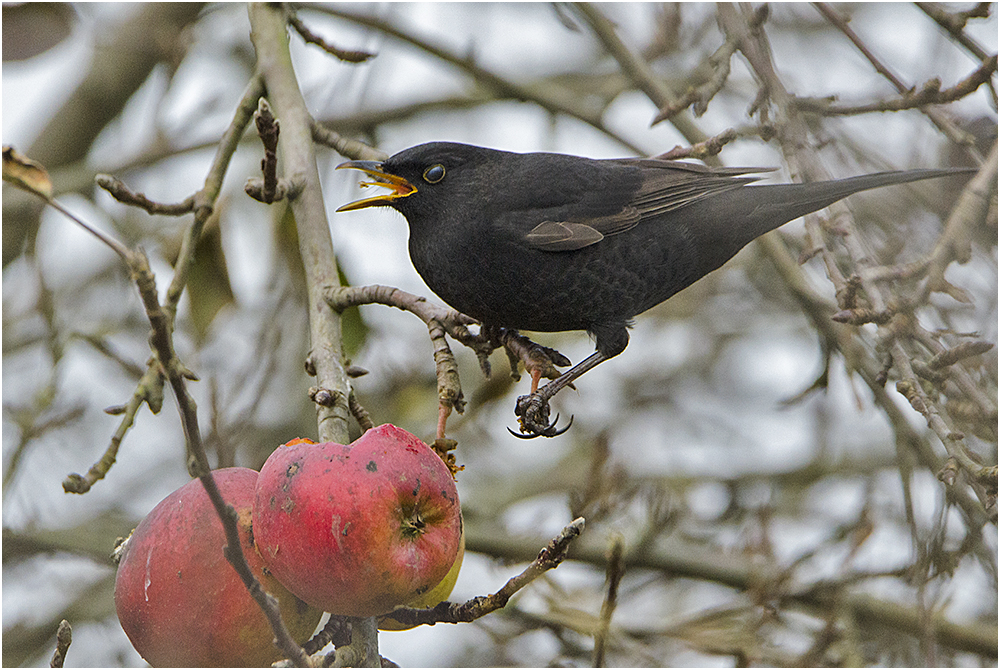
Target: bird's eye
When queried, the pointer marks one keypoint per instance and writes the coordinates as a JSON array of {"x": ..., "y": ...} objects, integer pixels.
[{"x": 434, "y": 174}]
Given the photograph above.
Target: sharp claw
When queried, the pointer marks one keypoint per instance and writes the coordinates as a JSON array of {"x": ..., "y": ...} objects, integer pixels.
[
  {"x": 548, "y": 431},
  {"x": 556, "y": 433},
  {"x": 533, "y": 415}
]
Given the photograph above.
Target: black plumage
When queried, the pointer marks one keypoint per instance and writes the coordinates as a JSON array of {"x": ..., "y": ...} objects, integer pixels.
[{"x": 553, "y": 242}]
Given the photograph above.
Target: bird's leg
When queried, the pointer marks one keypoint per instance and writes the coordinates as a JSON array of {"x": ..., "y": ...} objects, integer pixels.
[
  {"x": 533, "y": 410},
  {"x": 538, "y": 360}
]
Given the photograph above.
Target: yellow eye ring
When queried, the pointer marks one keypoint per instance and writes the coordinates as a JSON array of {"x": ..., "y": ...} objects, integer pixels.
[{"x": 434, "y": 173}]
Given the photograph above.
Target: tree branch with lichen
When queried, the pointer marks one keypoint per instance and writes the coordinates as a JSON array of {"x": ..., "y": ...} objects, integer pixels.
[{"x": 793, "y": 134}]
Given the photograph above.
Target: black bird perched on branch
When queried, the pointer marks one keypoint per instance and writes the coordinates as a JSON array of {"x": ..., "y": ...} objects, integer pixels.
[{"x": 552, "y": 242}]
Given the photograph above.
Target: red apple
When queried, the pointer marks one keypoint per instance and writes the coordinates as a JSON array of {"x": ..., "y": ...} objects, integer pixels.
[
  {"x": 178, "y": 599},
  {"x": 357, "y": 530},
  {"x": 432, "y": 597}
]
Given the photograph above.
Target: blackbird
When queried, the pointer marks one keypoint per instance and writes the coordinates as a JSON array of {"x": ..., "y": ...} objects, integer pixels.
[{"x": 553, "y": 242}]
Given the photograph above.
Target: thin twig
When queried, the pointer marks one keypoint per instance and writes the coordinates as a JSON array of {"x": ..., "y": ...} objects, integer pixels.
[
  {"x": 347, "y": 55},
  {"x": 548, "y": 97},
  {"x": 929, "y": 94},
  {"x": 337, "y": 630},
  {"x": 204, "y": 200},
  {"x": 446, "y": 612},
  {"x": 268, "y": 129},
  {"x": 702, "y": 150},
  {"x": 439, "y": 320},
  {"x": 346, "y": 146},
  {"x": 32, "y": 177},
  {"x": 615, "y": 572},
  {"x": 638, "y": 70},
  {"x": 793, "y": 133},
  {"x": 64, "y": 637},
  {"x": 123, "y": 194},
  {"x": 954, "y": 24},
  {"x": 359, "y": 413},
  {"x": 148, "y": 391},
  {"x": 719, "y": 65},
  {"x": 945, "y": 124}
]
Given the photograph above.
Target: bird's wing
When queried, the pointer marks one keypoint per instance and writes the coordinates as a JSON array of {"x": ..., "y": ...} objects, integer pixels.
[
  {"x": 669, "y": 185},
  {"x": 564, "y": 236},
  {"x": 665, "y": 186}
]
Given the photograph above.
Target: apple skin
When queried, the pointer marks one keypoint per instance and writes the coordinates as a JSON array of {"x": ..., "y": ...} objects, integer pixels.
[
  {"x": 436, "y": 595},
  {"x": 357, "y": 530},
  {"x": 178, "y": 599}
]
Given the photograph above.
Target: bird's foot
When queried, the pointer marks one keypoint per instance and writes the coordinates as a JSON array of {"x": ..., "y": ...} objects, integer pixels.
[
  {"x": 538, "y": 360},
  {"x": 533, "y": 414}
]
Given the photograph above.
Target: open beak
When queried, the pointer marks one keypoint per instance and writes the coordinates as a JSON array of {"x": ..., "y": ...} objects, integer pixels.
[{"x": 399, "y": 187}]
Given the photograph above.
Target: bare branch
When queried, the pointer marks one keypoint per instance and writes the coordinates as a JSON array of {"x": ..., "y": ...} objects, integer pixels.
[
  {"x": 639, "y": 71},
  {"x": 939, "y": 119},
  {"x": 347, "y": 55},
  {"x": 346, "y": 146},
  {"x": 929, "y": 94},
  {"x": 439, "y": 321},
  {"x": 446, "y": 612},
  {"x": 64, "y": 637},
  {"x": 546, "y": 97},
  {"x": 615, "y": 572},
  {"x": 326, "y": 357},
  {"x": 793, "y": 133},
  {"x": 120, "y": 192},
  {"x": 954, "y": 24}
]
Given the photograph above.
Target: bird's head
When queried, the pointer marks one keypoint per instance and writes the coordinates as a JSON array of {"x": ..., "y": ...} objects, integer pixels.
[{"x": 423, "y": 177}]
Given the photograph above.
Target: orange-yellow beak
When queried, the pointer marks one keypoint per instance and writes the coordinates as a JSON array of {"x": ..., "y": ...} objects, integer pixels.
[{"x": 399, "y": 187}]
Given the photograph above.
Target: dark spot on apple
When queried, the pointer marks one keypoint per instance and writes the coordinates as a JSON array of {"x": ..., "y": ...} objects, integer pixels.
[
  {"x": 293, "y": 467},
  {"x": 423, "y": 589},
  {"x": 372, "y": 466},
  {"x": 416, "y": 489},
  {"x": 287, "y": 506},
  {"x": 265, "y": 571},
  {"x": 347, "y": 527}
]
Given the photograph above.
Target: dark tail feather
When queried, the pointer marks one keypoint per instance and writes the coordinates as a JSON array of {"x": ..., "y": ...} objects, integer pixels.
[
  {"x": 780, "y": 203},
  {"x": 729, "y": 221}
]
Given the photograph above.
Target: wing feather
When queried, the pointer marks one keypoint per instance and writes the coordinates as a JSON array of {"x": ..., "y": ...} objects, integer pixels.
[
  {"x": 666, "y": 186},
  {"x": 563, "y": 236}
]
